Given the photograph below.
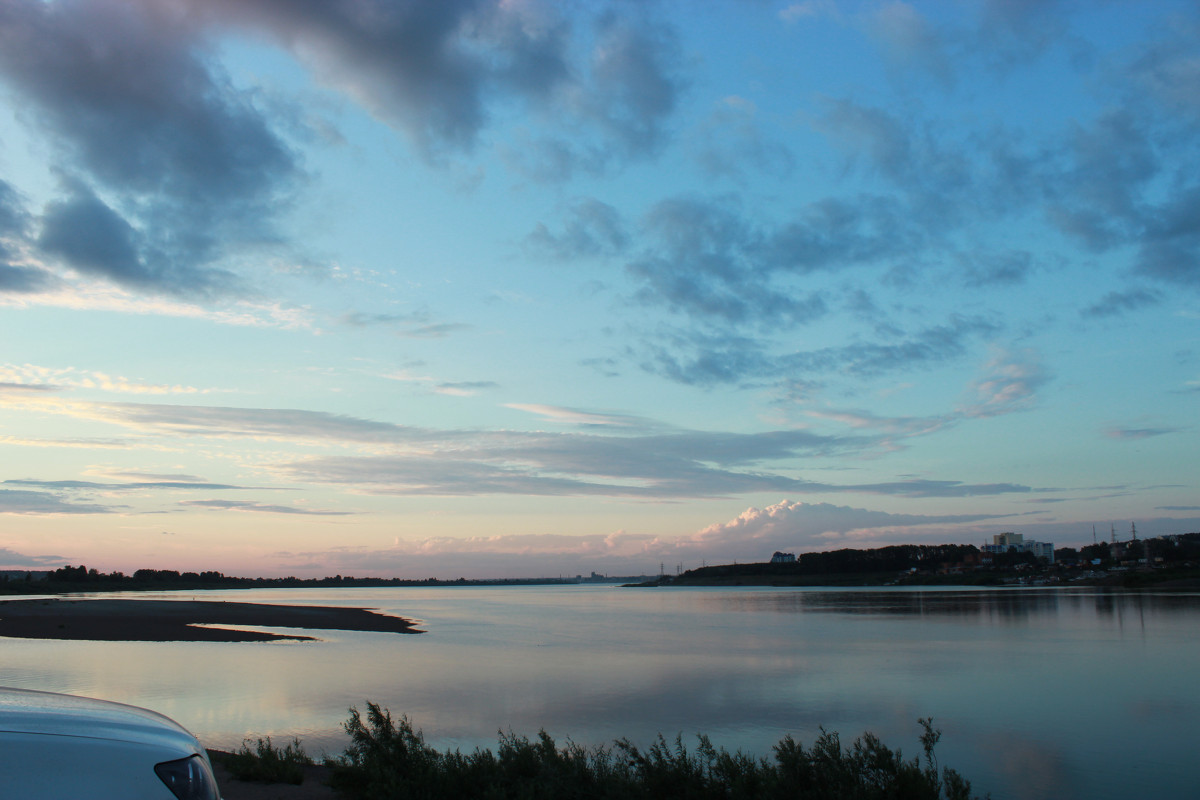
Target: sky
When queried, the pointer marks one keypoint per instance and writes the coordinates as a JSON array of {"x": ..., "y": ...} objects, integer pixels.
[{"x": 512, "y": 289}]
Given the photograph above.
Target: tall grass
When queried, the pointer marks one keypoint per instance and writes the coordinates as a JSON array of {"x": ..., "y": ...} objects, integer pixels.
[
  {"x": 267, "y": 763},
  {"x": 390, "y": 759}
]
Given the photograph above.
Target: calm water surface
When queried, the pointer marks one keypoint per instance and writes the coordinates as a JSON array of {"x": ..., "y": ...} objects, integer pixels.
[{"x": 1038, "y": 693}]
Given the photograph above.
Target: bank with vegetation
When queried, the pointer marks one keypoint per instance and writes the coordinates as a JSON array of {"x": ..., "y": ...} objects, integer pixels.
[
  {"x": 1164, "y": 562},
  {"x": 388, "y": 759}
]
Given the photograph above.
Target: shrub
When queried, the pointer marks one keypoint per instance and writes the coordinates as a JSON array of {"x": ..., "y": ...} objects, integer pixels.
[
  {"x": 387, "y": 760},
  {"x": 267, "y": 763}
]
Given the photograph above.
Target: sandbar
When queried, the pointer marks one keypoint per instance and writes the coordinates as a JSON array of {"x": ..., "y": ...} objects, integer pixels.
[{"x": 132, "y": 620}]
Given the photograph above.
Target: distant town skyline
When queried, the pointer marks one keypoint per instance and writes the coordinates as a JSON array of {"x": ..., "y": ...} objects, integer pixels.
[{"x": 527, "y": 288}]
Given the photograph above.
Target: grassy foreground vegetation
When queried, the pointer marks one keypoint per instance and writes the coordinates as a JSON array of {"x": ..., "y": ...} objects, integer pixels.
[
  {"x": 390, "y": 759},
  {"x": 267, "y": 763}
]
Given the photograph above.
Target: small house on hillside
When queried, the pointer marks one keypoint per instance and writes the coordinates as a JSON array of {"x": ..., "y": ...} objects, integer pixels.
[{"x": 783, "y": 558}]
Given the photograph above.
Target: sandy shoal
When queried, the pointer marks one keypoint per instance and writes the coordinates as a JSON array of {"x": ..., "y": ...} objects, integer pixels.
[{"x": 133, "y": 620}]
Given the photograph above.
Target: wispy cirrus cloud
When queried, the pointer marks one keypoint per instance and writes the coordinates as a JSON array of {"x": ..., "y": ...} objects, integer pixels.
[
  {"x": 253, "y": 507},
  {"x": 641, "y": 461},
  {"x": 1011, "y": 384},
  {"x": 109, "y": 487},
  {"x": 16, "y": 501},
  {"x": 1125, "y": 434},
  {"x": 55, "y": 379}
]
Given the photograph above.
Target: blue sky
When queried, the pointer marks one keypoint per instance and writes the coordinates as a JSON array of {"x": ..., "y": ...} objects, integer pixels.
[{"x": 531, "y": 288}]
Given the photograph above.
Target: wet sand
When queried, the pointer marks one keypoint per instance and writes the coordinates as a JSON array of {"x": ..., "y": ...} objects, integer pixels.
[{"x": 132, "y": 620}]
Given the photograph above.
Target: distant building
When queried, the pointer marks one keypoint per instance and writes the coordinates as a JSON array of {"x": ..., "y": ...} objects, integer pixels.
[
  {"x": 783, "y": 558},
  {"x": 1001, "y": 542}
]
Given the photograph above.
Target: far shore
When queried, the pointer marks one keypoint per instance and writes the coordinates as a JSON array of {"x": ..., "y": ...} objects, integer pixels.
[{"x": 133, "y": 620}]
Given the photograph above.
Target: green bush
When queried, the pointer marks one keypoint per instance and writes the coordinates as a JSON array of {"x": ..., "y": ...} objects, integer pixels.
[
  {"x": 387, "y": 760},
  {"x": 267, "y": 763}
]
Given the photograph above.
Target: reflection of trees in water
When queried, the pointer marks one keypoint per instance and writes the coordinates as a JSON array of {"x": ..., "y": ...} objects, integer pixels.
[{"x": 1010, "y": 604}]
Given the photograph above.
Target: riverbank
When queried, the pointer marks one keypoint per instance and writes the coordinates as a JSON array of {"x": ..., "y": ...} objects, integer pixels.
[
  {"x": 314, "y": 786},
  {"x": 132, "y": 620}
]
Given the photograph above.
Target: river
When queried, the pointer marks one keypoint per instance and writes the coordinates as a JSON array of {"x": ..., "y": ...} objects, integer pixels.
[{"x": 1039, "y": 693}]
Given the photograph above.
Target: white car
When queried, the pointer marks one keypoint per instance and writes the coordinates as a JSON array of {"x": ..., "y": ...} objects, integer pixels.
[{"x": 61, "y": 747}]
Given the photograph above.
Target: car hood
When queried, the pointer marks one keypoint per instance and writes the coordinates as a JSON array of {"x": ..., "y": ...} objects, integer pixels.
[{"x": 27, "y": 711}]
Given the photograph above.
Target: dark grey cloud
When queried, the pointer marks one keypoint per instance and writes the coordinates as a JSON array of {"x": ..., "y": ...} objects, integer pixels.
[
  {"x": 1013, "y": 32},
  {"x": 1116, "y": 303},
  {"x": 11, "y": 559},
  {"x": 14, "y": 501},
  {"x": 135, "y": 111},
  {"x": 15, "y": 222},
  {"x": 24, "y": 280},
  {"x": 1170, "y": 247},
  {"x": 731, "y": 143},
  {"x": 1109, "y": 164},
  {"x": 633, "y": 89},
  {"x": 711, "y": 359},
  {"x": 706, "y": 259},
  {"x": 1166, "y": 71},
  {"x": 260, "y": 508},
  {"x": 623, "y": 91},
  {"x": 590, "y": 229},
  {"x": 444, "y": 72},
  {"x": 92, "y": 237},
  {"x": 997, "y": 269},
  {"x": 413, "y": 64},
  {"x": 14, "y": 216}
]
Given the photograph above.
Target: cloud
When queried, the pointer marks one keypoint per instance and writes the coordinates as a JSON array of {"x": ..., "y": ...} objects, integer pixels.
[
  {"x": 791, "y": 526},
  {"x": 93, "y": 238},
  {"x": 706, "y": 260},
  {"x": 16, "y": 388},
  {"x": 997, "y": 269},
  {"x": 130, "y": 486},
  {"x": 591, "y": 229},
  {"x": 582, "y": 418},
  {"x": 731, "y": 142},
  {"x": 259, "y": 508},
  {"x": 15, "y": 221},
  {"x": 22, "y": 502},
  {"x": 165, "y": 164},
  {"x": 1011, "y": 382},
  {"x": 808, "y": 9},
  {"x": 705, "y": 359},
  {"x": 11, "y": 559},
  {"x": 750, "y": 537},
  {"x": 14, "y": 217},
  {"x": 909, "y": 39},
  {"x": 1116, "y": 303},
  {"x": 1170, "y": 248},
  {"x": 25, "y": 280},
  {"x": 639, "y": 461},
  {"x": 51, "y": 379},
  {"x": 445, "y": 72},
  {"x": 1138, "y": 433},
  {"x": 464, "y": 388}
]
